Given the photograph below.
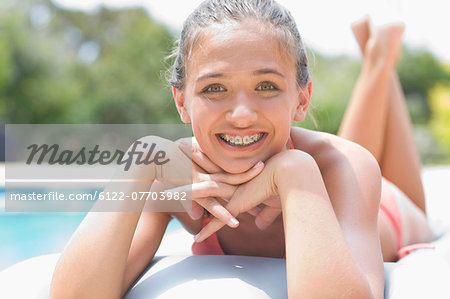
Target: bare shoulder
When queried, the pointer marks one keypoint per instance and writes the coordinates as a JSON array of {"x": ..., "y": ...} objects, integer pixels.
[
  {"x": 349, "y": 170},
  {"x": 328, "y": 149}
]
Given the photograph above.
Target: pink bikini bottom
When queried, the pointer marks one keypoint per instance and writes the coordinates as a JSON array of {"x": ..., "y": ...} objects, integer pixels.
[{"x": 388, "y": 206}]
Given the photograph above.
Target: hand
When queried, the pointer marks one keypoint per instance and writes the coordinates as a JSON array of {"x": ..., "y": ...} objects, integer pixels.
[
  {"x": 266, "y": 188},
  {"x": 211, "y": 182},
  {"x": 260, "y": 190}
]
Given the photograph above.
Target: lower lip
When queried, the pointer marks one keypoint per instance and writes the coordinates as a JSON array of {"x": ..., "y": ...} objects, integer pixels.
[{"x": 242, "y": 148}]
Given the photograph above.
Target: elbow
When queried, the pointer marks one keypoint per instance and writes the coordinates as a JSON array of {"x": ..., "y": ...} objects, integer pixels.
[
  {"x": 354, "y": 294},
  {"x": 57, "y": 293},
  {"x": 59, "y": 290},
  {"x": 346, "y": 288},
  {"x": 356, "y": 288},
  {"x": 66, "y": 285},
  {"x": 61, "y": 287},
  {"x": 361, "y": 291}
]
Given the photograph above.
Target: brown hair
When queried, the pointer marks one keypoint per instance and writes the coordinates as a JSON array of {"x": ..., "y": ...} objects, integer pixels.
[{"x": 267, "y": 12}]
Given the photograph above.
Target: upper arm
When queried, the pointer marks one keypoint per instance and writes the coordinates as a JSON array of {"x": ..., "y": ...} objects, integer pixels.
[
  {"x": 146, "y": 240},
  {"x": 354, "y": 186}
]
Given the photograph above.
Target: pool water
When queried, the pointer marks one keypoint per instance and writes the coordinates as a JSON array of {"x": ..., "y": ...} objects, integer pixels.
[{"x": 25, "y": 235}]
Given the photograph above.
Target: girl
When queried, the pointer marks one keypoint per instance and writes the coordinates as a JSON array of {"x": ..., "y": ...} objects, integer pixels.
[{"x": 241, "y": 78}]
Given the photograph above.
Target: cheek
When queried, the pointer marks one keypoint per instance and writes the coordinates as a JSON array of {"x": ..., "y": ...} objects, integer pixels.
[
  {"x": 206, "y": 113},
  {"x": 284, "y": 114},
  {"x": 201, "y": 125},
  {"x": 198, "y": 133}
]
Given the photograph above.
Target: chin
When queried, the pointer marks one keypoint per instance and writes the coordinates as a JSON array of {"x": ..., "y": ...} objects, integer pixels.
[{"x": 236, "y": 166}]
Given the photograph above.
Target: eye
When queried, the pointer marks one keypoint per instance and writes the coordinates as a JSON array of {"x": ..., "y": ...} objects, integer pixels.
[
  {"x": 213, "y": 88},
  {"x": 266, "y": 86}
]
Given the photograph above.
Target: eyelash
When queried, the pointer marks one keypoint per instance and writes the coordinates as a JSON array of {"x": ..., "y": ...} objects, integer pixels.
[
  {"x": 208, "y": 88},
  {"x": 273, "y": 86}
]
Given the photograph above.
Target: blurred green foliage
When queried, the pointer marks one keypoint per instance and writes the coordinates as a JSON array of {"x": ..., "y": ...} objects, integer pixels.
[
  {"x": 83, "y": 68},
  {"x": 440, "y": 122},
  {"x": 333, "y": 81},
  {"x": 64, "y": 66},
  {"x": 419, "y": 71}
]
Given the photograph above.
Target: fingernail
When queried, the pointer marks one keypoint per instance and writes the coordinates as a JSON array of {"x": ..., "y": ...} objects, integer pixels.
[
  {"x": 234, "y": 221},
  {"x": 260, "y": 163}
]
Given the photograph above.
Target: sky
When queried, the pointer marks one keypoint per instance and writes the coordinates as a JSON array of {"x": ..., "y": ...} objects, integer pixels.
[{"x": 324, "y": 24}]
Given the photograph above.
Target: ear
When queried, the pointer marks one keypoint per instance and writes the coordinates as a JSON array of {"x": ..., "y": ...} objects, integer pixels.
[
  {"x": 304, "y": 98},
  {"x": 178, "y": 96}
]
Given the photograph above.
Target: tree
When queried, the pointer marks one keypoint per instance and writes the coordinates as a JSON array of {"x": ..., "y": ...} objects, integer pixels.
[
  {"x": 419, "y": 71},
  {"x": 83, "y": 68}
]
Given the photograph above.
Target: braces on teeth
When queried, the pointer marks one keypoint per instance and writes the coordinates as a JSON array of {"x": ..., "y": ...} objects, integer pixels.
[{"x": 238, "y": 140}]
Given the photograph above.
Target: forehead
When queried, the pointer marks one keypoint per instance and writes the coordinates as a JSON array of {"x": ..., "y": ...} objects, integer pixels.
[{"x": 237, "y": 47}]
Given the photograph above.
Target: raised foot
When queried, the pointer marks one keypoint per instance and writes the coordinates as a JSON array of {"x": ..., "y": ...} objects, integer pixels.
[
  {"x": 385, "y": 44},
  {"x": 361, "y": 31}
]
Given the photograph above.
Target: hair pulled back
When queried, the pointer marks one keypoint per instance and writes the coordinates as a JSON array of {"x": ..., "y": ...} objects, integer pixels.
[{"x": 267, "y": 12}]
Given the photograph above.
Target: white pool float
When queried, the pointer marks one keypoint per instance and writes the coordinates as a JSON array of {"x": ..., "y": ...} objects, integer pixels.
[{"x": 421, "y": 275}]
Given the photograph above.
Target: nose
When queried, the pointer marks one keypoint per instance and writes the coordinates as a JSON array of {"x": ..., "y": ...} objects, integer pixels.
[{"x": 242, "y": 114}]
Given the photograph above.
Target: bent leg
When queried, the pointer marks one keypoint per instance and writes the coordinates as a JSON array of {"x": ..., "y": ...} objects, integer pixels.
[
  {"x": 401, "y": 163},
  {"x": 377, "y": 117}
]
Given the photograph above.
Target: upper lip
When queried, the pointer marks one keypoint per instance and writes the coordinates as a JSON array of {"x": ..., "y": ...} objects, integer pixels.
[{"x": 241, "y": 133}]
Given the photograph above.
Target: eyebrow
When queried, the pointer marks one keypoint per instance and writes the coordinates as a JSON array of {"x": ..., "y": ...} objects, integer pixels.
[
  {"x": 257, "y": 72},
  {"x": 268, "y": 71},
  {"x": 210, "y": 75}
]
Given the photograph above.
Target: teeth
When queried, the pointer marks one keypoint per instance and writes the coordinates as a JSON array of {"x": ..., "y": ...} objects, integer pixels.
[{"x": 238, "y": 140}]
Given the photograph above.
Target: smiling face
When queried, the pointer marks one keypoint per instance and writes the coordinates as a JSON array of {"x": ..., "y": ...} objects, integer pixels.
[{"x": 241, "y": 95}]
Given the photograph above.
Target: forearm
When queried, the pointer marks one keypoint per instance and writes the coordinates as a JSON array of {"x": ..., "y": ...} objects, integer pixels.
[
  {"x": 319, "y": 261},
  {"x": 94, "y": 261}
]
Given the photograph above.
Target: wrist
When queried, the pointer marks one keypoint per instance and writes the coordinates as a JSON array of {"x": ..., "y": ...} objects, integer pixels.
[{"x": 295, "y": 170}]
